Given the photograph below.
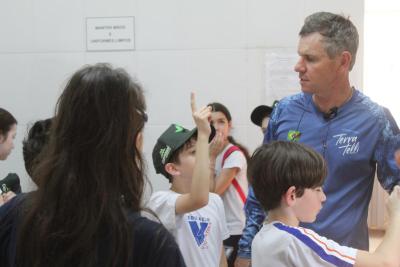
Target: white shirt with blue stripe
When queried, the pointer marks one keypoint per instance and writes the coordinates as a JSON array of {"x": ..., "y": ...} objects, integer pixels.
[{"x": 279, "y": 245}]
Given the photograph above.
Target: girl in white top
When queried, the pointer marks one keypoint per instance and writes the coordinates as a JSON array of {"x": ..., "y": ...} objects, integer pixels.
[{"x": 229, "y": 160}]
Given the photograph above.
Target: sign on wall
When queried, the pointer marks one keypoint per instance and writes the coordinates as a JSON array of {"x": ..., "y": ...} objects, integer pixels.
[
  {"x": 110, "y": 34},
  {"x": 280, "y": 78}
]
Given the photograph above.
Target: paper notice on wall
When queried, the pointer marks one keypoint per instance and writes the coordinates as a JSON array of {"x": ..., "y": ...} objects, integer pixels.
[
  {"x": 280, "y": 78},
  {"x": 110, "y": 34}
]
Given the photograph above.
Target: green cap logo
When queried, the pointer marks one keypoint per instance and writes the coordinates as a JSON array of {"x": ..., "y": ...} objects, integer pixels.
[
  {"x": 164, "y": 153},
  {"x": 178, "y": 128}
]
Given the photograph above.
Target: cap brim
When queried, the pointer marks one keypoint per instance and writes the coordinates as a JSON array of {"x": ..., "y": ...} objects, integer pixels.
[{"x": 259, "y": 113}]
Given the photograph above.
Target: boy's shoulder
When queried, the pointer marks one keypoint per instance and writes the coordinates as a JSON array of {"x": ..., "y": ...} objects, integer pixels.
[
  {"x": 167, "y": 199},
  {"x": 162, "y": 203},
  {"x": 214, "y": 200},
  {"x": 164, "y": 193},
  {"x": 159, "y": 197},
  {"x": 286, "y": 243},
  {"x": 270, "y": 234}
]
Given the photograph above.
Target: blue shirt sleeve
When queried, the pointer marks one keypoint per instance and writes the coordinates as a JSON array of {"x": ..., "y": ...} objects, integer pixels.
[
  {"x": 389, "y": 141},
  {"x": 255, "y": 214},
  {"x": 254, "y": 219}
]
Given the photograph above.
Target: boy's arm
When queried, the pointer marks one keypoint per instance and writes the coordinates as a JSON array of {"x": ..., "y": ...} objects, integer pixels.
[
  {"x": 387, "y": 254},
  {"x": 222, "y": 261},
  {"x": 199, "y": 190}
]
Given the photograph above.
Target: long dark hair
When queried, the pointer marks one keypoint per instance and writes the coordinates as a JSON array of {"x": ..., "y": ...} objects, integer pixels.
[
  {"x": 218, "y": 107},
  {"x": 91, "y": 175}
]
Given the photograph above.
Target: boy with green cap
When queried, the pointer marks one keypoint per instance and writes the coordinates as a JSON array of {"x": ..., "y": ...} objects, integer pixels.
[{"x": 194, "y": 216}]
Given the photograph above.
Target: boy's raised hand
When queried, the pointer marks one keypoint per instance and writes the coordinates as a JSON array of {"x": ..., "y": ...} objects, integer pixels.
[
  {"x": 201, "y": 117},
  {"x": 198, "y": 195}
]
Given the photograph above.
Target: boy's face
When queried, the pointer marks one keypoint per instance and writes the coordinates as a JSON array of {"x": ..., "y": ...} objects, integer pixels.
[
  {"x": 187, "y": 160},
  {"x": 309, "y": 204}
]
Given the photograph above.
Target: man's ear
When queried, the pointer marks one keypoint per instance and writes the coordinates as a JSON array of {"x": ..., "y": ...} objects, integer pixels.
[
  {"x": 171, "y": 169},
  {"x": 290, "y": 196},
  {"x": 345, "y": 60}
]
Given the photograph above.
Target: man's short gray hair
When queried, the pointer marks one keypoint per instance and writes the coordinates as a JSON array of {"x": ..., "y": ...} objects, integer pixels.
[{"x": 339, "y": 33}]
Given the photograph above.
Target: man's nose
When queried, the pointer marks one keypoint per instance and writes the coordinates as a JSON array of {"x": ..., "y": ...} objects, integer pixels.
[{"x": 299, "y": 67}]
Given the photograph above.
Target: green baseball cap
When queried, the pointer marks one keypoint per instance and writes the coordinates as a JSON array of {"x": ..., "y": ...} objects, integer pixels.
[{"x": 170, "y": 141}]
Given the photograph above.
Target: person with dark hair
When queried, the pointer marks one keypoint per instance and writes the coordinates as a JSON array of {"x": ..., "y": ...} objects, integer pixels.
[
  {"x": 261, "y": 114},
  {"x": 287, "y": 178},
  {"x": 86, "y": 211},
  {"x": 34, "y": 143},
  {"x": 352, "y": 133},
  {"x": 229, "y": 162},
  {"x": 8, "y": 130}
]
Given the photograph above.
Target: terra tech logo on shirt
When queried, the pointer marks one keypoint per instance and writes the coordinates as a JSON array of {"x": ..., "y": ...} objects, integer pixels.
[{"x": 200, "y": 227}]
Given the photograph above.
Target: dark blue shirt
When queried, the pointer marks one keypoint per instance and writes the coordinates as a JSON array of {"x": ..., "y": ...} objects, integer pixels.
[{"x": 153, "y": 245}]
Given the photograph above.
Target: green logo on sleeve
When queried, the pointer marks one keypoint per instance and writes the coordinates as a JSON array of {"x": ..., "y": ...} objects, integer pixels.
[{"x": 293, "y": 136}]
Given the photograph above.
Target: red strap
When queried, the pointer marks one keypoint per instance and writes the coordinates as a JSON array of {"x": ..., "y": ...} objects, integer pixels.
[
  {"x": 235, "y": 183},
  {"x": 239, "y": 190},
  {"x": 228, "y": 153}
]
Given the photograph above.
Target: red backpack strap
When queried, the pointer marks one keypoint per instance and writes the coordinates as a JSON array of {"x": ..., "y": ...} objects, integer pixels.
[
  {"x": 228, "y": 153},
  {"x": 235, "y": 183}
]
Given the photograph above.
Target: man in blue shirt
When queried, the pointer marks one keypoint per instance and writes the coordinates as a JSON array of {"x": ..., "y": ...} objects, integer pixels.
[{"x": 354, "y": 135}]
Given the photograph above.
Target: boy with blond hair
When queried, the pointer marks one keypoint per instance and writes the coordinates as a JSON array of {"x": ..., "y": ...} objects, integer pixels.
[
  {"x": 194, "y": 216},
  {"x": 287, "y": 179}
]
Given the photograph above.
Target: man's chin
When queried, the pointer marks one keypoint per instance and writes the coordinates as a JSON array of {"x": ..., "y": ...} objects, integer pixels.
[{"x": 307, "y": 90}]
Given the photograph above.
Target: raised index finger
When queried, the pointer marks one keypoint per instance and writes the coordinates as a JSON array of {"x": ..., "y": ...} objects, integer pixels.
[{"x": 193, "y": 102}]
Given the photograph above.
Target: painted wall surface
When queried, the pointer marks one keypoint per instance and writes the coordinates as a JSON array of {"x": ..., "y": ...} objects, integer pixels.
[{"x": 216, "y": 48}]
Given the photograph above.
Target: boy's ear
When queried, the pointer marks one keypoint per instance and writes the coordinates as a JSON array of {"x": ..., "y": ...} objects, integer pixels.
[
  {"x": 171, "y": 169},
  {"x": 290, "y": 196}
]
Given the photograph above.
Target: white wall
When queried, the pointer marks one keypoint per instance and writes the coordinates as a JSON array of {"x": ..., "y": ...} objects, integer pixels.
[{"x": 213, "y": 47}]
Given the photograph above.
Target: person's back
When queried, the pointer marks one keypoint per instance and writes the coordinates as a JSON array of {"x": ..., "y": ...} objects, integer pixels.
[
  {"x": 194, "y": 216},
  {"x": 287, "y": 179},
  {"x": 90, "y": 184}
]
